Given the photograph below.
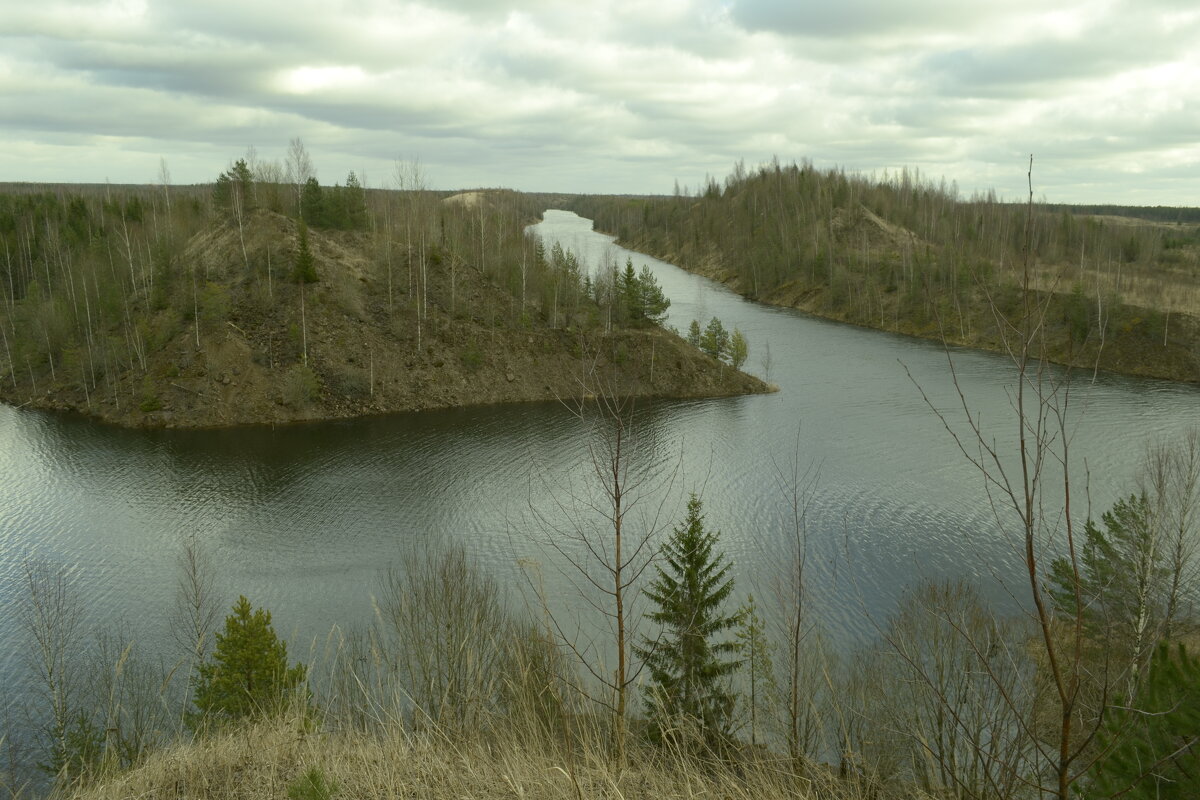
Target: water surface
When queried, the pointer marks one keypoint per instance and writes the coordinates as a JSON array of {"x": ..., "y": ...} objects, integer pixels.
[{"x": 302, "y": 519}]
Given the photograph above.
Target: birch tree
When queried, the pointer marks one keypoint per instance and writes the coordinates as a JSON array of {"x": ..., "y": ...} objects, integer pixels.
[
  {"x": 298, "y": 168},
  {"x": 603, "y": 547}
]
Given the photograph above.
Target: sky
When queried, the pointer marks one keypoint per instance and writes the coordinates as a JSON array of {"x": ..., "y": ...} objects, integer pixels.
[{"x": 615, "y": 96}]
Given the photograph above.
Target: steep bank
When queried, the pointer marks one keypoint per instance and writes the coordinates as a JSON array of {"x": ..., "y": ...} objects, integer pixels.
[{"x": 232, "y": 336}]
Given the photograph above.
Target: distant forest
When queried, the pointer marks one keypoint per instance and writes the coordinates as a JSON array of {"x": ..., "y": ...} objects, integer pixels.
[
  {"x": 907, "y": 254},
  {"x": 1176, "y": 214}
]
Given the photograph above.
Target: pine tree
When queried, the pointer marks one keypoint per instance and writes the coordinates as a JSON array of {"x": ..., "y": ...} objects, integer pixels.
[
  {"x": 653, "y": 304},
  {"x": 223, "y": 192},
  {"x": 694, "y": 335},
  {"x": 248, "y": 673},
  {"x": 690, "y": 665},
  {"x": 1120, "y": 583},
  {"x": 243, "y": 182},
  {"x": 1154, "y": 749},
  {"x": 631, "y": 294}
]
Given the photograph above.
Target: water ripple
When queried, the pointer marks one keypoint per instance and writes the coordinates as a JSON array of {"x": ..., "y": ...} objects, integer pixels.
[{"x": 302, "y": 519}]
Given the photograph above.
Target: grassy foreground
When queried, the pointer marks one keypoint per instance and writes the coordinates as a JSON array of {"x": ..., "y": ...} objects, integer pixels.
[{"x": 278, "y": 759}]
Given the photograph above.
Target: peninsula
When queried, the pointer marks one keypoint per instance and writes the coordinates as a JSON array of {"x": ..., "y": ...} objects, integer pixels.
[{"x": 253, "y": 302}]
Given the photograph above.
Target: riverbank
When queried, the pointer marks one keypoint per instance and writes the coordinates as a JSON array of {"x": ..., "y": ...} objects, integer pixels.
[
  {"x": 913, "y": 257},
  {"x": 221, "y": 385},
  {"x": 1141, "y": 342}
]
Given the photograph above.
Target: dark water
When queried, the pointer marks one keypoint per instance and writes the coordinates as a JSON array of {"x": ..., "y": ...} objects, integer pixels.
[{"x": 302, "y": 519}]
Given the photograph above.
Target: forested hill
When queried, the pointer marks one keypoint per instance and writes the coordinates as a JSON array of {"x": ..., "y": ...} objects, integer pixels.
[
  {"x": 252, "y": 300},
  {"x": 907, "y": 255}
]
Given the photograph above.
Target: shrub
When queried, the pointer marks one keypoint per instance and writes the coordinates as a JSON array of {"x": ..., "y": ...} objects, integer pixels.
[
  {"x": 471, "y": 358},
  {"x": 150, "y": 400},
  {"x": 214, "y": 302},
  {"x": 300, "y": 386},
  {"x": 312, "y": 785}
]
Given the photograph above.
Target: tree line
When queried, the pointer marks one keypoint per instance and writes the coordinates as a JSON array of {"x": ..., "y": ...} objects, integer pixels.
[
  {"x": 902, "y": 252},
  {"x": 96, "y": 280}
]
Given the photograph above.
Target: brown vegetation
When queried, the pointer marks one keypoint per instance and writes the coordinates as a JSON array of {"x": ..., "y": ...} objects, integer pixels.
[{"x": 264, "y": 760}]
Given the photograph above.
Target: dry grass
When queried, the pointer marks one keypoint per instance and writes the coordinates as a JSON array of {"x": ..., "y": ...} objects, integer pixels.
[
  {"x": 1174, "y": 291},
  {"x": 262, "y": 760}
]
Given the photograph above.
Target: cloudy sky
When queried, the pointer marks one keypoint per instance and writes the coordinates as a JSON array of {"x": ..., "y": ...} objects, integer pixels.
[{"x": 611, "y": 96}]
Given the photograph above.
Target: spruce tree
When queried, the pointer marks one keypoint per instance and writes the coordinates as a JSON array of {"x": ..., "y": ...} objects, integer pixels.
[
  {"x": 306, "y": 266},
  {"x": 760, "y": 672},
  {"x": 691, "y": 662},
  {"x": 312, "y": 203},
  {"x": 356, "y": 203},
  {"x": 248, "y": 673}
]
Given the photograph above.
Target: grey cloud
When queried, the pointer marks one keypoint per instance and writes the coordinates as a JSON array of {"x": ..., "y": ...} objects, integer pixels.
[
  {"x": 236, "y": 77},
  {"x": 853, "y": 18},
  {"x": 86, "y": 119},
  {"x": 1034, "y": 69},
  {"x": 225, "y": 22},
  {"x": 617, "y": 97}
]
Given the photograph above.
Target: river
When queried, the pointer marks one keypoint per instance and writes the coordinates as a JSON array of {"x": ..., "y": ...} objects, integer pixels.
[{"x": 302, "y": 519}]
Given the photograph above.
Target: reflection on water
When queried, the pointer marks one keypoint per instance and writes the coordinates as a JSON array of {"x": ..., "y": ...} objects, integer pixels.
[{"x": 301, "y": 519}]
